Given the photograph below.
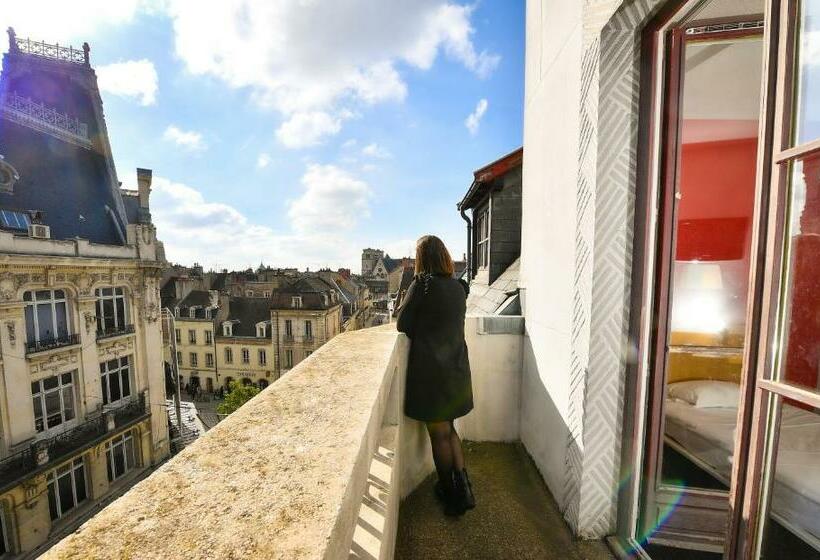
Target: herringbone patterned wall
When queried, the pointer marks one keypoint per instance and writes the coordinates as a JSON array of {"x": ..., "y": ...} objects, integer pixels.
[{"x": 603, "y": 252}]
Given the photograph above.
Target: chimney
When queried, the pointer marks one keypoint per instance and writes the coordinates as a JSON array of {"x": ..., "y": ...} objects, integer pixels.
[{"x": 144, "y": 182}]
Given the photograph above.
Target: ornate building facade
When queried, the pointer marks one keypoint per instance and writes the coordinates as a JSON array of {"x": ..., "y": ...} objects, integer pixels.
[{"x": 82, "y": 413}]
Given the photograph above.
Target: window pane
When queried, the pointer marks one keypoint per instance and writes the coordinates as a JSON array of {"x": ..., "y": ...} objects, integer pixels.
[
  {"x": 62, "y": 319},
  {"x": 126, "y": 383},
  {"x": 68, "y": 403},
  {"x": 119, "y": 461},
  {"x": 66, "y": 493},
  {"x": 121, "y": 312},
  {"x": 49, "y": 383},
  {"x": 104, "y": 385},
  {"x": 114, "y": 386},
  {"x": 792, "y": 529},
  {"x": 108, "y": 314},
  {"x": 30, "y": 331},
  {"x": 45, "y": 321},
  {"x": 808, "y": 74},
  {"x": 129, "y": 453},
  {"x": 109, "y": 463},
  {"x": 79, "y": 478},
  {"x": 53, "y": 412},
  {"x": 801, "y": 357},
  {"x": 38, "y": 414}
]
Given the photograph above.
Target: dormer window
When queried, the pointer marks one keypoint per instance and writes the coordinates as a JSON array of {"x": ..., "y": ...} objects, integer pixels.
[
  {"x": 176, "y": 311},
  {"x": 192, "y": 312},
  {"x": 296, "y": 302},
  {"x": 324, "y": 299},
  {"x": 261, "y": 330},
  {"x": 208, "y": 313},
  {"x": 227, "y": 328}
]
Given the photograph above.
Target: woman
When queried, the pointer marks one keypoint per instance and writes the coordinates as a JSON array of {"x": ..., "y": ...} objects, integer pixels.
[{"x": 438, "y": 388}]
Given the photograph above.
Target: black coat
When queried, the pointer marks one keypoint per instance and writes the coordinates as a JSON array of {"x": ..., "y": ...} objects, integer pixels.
[{"x": 438, "y": 384}]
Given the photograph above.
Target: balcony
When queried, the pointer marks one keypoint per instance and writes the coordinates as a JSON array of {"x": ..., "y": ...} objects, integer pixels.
[
  {"x": 43, "y": 453},
  {"x": 117, "y": 330},
  {"x": 45, "y": 344},
  {"x": 330, "y": 480}
]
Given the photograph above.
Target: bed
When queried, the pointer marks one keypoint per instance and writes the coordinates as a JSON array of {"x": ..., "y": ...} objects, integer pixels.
[{"x": 705, "y": 436}]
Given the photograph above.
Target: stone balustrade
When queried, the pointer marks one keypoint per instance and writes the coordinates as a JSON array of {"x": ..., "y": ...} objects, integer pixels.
[{"x": 313, "y": 467}]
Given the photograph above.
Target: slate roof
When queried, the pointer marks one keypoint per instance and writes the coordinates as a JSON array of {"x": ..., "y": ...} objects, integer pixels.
[
  {"x": 70, "y": 183},
  {"x": 493, "y": 299},
  {"x": 311, "y": 288},
  {"x": 246, "y": 313}
]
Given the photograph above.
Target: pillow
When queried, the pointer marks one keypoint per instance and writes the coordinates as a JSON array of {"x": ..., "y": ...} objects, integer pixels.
[{"x": 706, "y": 394}]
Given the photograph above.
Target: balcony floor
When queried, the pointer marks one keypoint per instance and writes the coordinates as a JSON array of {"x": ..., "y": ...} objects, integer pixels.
[{"x": 516, "y": 517}]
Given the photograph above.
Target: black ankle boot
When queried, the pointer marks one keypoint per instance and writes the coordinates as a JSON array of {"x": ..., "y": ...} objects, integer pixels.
[
  {"x": 447, "y": 492},
  {"x": 464, "y": 489}
]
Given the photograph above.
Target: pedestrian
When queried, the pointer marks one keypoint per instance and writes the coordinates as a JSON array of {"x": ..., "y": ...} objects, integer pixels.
[{"x": 438, "y": 386}]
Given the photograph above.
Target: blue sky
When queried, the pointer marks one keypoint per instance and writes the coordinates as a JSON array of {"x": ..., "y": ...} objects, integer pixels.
[{"x": 298, "y": 133}]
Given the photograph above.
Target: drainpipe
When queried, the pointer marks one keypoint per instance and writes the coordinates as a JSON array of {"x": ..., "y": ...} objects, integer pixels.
[{"x": 469, "y": 243}]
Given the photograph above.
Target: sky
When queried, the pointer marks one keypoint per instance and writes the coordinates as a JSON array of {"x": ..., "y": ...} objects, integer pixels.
[{"x": 298, "y": 132}]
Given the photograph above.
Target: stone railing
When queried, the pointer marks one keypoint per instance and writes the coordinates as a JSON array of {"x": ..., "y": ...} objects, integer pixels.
[
  {"x": 314, "y": 467},
  {"x": 46, "y": 119}
]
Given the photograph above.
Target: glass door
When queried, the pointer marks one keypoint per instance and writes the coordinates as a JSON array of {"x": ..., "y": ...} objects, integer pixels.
[
  {"x": 708, "y": 145},
  {"x": 780, "y": 518}
]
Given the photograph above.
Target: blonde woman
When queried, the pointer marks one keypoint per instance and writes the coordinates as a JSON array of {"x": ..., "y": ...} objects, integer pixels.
[{"x": 439, "y": 388}]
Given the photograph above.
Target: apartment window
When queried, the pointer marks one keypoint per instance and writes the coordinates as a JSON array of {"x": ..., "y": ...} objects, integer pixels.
[
  {"x": 266, "y": 293},
  {"x": 179, "y": 358},
  {"x": 115, "y": 377},
  {"x": 263, "y": 358},
  {"x": 227, "y": 329},
  {"x": 176, "y": 311},
  {"x": 192, "y": 312},
  {"x": 296, "y": 302},
  {"x": 209, "y": 359},
  {"x": 261, "y": 330},
  {"x": 288, "y": 358},
  {"x": 228, "y": 355},
  {"x": 178, "y": 336},
  {"x": 288, "y": 328},
  {"x": 208, "y": 313},
  {"x": 482, "y": 228},
  {"x": 192, "y": 336},
  {"x": 308, "y": 329},
  {"x": 46, "y": 315},
  {"x": 53, "y": 401},
  {"x": 193, "y": 358},
  {"x": 209, "y": 337},
  {"x": 246, "y": 356},
  {"x": 112, "y": 312},
  {"x": 120, "y": 456},
  {"x": 66, "y": 488}
]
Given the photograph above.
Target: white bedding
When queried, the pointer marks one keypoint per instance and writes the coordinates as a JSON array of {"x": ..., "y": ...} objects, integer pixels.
[{"x": 708, "y": 435}]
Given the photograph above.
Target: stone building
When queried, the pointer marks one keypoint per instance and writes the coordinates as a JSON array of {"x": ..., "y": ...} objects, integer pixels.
[
  {"x": 304, "y": 315},
  {"x": 194, "y": 317},
  {"x": 244, "y": 343},
  {"x": 82, "y": 388}
]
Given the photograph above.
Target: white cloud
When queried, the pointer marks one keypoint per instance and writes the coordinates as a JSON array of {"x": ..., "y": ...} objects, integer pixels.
[
  {"x": 810, "y": 47},
  {"x": 333, "y": 201},
  {"x": 134, "y": 78},
  {"x": 263, "y": 161},
  {"x": 473, "y": 120},
  {"x": 322, "y": 222},
  {"x": 186, "y": 139},
  {"x": 309, "y": 58},
  {"x": 376, "y": 151},
  {"x": 303, "y": 130}
]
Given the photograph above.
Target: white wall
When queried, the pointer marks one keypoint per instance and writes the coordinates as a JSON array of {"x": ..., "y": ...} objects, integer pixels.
[{"x": 551, "y": 129}]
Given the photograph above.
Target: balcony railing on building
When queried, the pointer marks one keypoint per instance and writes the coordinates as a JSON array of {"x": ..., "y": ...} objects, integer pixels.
[
  {"x": 44, "y": 118},
  {"x": 42, "y": 452},
  {"x": 114, "y": 330},
  {"x": 50, "y": 343},
  {"x": 47, "y": 50}
]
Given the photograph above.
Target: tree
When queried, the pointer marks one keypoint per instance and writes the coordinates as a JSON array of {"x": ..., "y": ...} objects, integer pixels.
[{"x": 239, "y": 394}]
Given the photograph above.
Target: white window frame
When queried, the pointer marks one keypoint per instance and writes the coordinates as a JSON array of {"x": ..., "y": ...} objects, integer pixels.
[
  {"x": 288, "y": 328},
  {"x": 483, "y": 237},
  {"x": 117, "y": 294},
  {"x": 178, "y": 336},
  {"x": 246, "y": 356},
  {"x": 228, "y": 355},
  {"x": 266, "y": 293},
  {"x": 227, "y": 328},
  {"x": 53, "y": 485},
  {"x": 33, "y": 302},
  {"x": 263, "y": 357},
  {"x": 309, "y": 329},
  {"x": 261, "y": 330},
  {"x": 191, "y": 336},
  {"x": 179, "y": 358},
  {"x": 209, "y": 359},
  {"x": 296, "y": 302},
  {"x": 111, "y": 446},
  {"x": 192, "y": 356},
  {"x": 122, "y": 371},
  {"x": 288, "y": 358},
  {"x": 60, "y": 389},
  {"x": 209, "y": 337}
]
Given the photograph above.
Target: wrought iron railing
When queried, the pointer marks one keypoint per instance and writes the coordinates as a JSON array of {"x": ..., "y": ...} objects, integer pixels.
[
  {"x": 47, "y": 50},
  {"x": 33, "y": 346},
  {"x": 116, "y": 330},
  {"x": 39, "y": 115},
  {"x": 63, "y": 444}
]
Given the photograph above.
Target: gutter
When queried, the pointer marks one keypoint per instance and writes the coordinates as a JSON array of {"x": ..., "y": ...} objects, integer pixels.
[{"x": 469, "y": 238}]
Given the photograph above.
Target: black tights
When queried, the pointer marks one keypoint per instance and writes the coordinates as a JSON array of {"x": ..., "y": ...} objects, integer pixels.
[{"x": 446, "y": 446}]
